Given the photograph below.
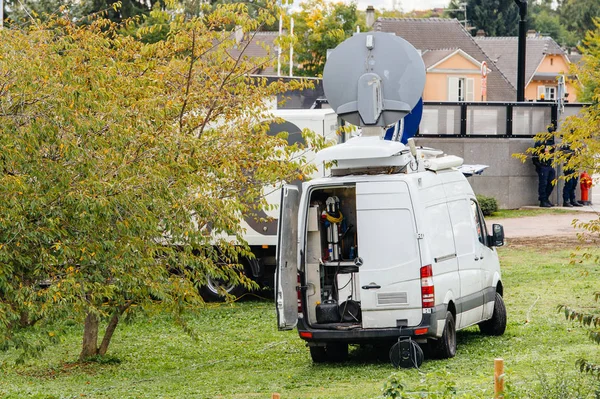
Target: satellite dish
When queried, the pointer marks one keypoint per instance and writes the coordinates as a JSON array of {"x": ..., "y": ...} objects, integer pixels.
[{"x": 374, "y": 79}]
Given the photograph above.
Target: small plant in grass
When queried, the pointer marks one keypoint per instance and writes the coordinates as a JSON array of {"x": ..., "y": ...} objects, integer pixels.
[
  {"x": 437, "y": 385},
  {"x": 488, "y": 205},
  {"x": 591, "y": 321}
]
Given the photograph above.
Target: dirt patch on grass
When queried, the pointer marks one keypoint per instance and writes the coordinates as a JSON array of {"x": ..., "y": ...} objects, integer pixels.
[{"x": 550, "y": 242}]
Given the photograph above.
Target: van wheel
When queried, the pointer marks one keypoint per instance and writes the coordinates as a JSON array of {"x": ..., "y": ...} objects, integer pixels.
[
  {"x": 445, "y": 347},
  {"x": 497, "y": 324},
  {"x": 211, "y": 292},
  {"x": 337, "y": 352},
  {"x": 318, "y": 354}
]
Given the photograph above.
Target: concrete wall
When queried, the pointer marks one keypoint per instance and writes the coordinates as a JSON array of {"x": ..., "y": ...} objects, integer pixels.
[{"x": 512, "y": 183}]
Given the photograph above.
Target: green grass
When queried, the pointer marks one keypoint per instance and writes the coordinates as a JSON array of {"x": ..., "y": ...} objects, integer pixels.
[
  {"x": 517, "y": 213},
  {"x": 240, "y": 354}
]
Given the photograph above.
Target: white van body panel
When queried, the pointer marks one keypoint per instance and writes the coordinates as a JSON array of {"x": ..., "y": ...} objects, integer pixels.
[{"x": 388, "y": 240}]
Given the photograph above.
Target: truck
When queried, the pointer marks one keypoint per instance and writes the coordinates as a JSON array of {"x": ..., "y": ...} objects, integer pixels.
[
  {"x": 391, "y": 248},
  {"x": 261, "y": 229}
]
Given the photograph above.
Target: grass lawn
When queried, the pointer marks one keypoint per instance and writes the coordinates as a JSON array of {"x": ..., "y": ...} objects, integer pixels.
[
  {"x": 240, "y": 354},
  {"x": 517, "y": 213}
]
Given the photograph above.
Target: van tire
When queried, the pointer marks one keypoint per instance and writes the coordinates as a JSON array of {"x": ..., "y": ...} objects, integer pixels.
[
  {"x": 497, "y": 324},
  {"x": 337, "y": 352},
  {"x": 211, "y": 291},
  {"x": 445, "y": 347},
  {"x": 318, "y": 354}
]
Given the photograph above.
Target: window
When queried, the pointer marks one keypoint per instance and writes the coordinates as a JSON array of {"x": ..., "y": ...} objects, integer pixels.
[
  {"x": 479, "y": 222},
  {"x": 550, "y": 93},
  {"x": 546, "y": 92},
  {"x": 460, "y": 89}
]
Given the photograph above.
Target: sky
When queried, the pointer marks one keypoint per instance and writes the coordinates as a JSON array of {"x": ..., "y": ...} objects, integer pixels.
[{"x": 404, "y": 5}]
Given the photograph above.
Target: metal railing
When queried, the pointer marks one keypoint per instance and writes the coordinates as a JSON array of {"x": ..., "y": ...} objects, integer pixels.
[{"x": 491, "y": 119}]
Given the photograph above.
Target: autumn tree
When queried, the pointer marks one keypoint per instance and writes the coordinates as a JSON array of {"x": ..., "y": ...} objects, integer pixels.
[
  {"x": 318, "y": 26},
  {"x": 125, "y": 168},
  {"x": 577, "y": 149}
]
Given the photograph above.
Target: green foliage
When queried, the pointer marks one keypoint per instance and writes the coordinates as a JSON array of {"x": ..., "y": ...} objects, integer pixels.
[
  {"x": 27, "y": 12},
  {"x": 546, "y": 21},
  {"x": 488, "y": 205},
  {"x": 319, "y": 26},
  {"x": 495, "y": 17},
  {"x": 587, "y": 71},
  {"x": 437, "y": 385},
  {"x": 578, "y": 16},
  {"x": 118, "y": 159}
]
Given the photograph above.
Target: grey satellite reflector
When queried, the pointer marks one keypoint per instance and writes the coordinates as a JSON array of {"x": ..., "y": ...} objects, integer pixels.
[{"x": 373, "y": 79}]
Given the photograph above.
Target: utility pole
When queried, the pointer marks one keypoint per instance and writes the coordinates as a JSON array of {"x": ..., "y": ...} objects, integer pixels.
[
  {"x": 463, "y": 8},
  {"x": 521, "y": 55}
]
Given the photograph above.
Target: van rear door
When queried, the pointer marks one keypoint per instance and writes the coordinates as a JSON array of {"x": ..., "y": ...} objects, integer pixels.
[
  {"x": 389, "y": 275},
  {"x": 286, "y": 273}
]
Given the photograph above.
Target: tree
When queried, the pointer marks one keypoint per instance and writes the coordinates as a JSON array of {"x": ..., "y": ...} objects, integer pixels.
[
  {"x": 578, "y": 150},
  {"x": 578, "y": 16},
  {"x": 124, "y": 170},
  {"x": 546, "y": 21},
  {"x": 319, "y": 26},
  {"x": 27, "y": 11},
  {"x": 495, "y": 17}
]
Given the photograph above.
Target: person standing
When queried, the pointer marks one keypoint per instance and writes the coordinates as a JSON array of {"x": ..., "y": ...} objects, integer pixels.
[
  {"x": 568, "y": 193},
  {"x": 542, "y": 160}
]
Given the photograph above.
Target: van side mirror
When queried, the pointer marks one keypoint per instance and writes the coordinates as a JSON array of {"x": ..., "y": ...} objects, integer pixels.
[{"x": 497, "y": 237}]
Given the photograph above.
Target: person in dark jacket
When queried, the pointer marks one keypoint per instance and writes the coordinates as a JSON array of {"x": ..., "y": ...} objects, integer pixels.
[
  {"x": 542, "y": 159},
  {"x": 570, "y": 183}
]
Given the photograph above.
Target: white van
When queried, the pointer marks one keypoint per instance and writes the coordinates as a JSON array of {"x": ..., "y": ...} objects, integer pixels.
[{"x": 391, "y": 249}]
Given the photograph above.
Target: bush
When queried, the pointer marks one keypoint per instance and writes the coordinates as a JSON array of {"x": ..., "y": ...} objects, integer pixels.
[{"x": 488, "y": 205}]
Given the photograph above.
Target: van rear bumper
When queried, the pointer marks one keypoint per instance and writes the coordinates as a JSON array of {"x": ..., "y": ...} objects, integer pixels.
[{"x": 363, "y": 335}]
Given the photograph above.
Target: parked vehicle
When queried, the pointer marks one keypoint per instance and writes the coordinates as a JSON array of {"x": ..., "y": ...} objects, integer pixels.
[
  {"x": 261, "y": 229},
  {"x": 392, "y": 248}
]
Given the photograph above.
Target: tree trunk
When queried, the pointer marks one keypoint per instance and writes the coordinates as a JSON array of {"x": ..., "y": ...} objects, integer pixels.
[
  {"x": 90, "y": 337},
  {"x": 110, "y": 329}
]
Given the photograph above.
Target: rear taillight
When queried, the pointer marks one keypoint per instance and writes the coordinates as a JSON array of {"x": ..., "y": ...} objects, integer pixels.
[
  {"x": 427, "y": 289},
  {"x": 299, "y": 292}
]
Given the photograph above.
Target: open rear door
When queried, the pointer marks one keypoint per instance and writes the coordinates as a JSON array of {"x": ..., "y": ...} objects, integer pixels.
[{"x": 286, "y": 275}]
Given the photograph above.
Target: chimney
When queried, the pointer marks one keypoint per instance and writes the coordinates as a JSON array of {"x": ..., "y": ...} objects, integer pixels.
[
  {"x": 480, "y": 33},
  {"x": 531, "y": 33},
  {"x": 370, "y": 16}
]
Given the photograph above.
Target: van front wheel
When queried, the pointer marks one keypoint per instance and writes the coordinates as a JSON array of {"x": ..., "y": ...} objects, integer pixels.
[
  {"x": 497, "y": 324},
  {"x": 445, "y": 347}
]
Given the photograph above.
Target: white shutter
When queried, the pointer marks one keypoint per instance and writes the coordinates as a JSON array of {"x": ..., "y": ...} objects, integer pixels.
[
  {"x": 470, "y": 89},
  {"x": 452, "y": 89}
]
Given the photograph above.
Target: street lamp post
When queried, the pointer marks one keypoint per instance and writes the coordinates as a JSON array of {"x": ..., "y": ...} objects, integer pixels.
[{"x": 521, "y": 55}]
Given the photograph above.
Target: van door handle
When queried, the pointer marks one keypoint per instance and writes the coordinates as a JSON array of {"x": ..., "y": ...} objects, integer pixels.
[{"x": 371, "y": 286}]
